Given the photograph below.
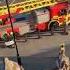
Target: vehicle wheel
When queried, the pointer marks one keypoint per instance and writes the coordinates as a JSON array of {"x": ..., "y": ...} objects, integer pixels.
[
  {"x": 52, "y": 30},
  {"x": 38, "y": 33},
  {"x": 25, "y": 37},
  {"x": 11, "y": 46},
  {"x": 65, "y": 32}
]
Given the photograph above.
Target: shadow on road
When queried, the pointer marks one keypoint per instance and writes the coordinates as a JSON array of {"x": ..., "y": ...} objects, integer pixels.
[{"x": 41, "y": 61}]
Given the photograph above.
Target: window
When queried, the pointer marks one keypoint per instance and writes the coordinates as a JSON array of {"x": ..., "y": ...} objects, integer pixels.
[{"x": 63, "y": 12}]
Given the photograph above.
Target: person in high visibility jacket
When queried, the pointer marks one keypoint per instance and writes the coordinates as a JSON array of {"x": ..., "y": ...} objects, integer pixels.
[
  {"x": 62, "y": 49},
  {"x": 63, "y": 60},
  {"x": 64, "y": 63},
  {"x": 8, "y": 39},
  {"x": 60, "y": 55}
]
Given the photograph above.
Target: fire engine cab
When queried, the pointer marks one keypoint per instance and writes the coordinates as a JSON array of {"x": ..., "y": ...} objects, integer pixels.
[
  {"x": 42, "y": 18},
  {"x": 51, "y": 16}
]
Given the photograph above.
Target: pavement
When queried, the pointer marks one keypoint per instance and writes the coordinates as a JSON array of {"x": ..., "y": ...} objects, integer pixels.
[{"x": 37, "y": 54}]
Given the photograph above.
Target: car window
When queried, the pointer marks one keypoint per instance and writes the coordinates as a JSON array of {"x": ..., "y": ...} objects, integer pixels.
[{"x": 63, "y": 12}]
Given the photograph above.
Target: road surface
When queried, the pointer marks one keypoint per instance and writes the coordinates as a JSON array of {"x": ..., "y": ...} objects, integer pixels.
[{"x": 37, "y": 54}]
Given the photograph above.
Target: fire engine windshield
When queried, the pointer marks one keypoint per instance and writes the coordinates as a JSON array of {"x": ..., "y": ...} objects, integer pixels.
[{"x": 43, "y": 15}]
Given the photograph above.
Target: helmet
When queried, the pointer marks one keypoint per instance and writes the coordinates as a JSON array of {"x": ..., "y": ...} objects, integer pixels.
[
  {"x": 11, "y": 33},
  {"x": 62, "y": 45}
]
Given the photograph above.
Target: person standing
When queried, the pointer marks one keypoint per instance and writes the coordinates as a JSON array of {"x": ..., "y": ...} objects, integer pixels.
[{"x": 62, "y": 49}]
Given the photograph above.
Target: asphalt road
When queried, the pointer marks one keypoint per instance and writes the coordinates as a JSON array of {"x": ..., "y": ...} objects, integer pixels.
[{"x": 37, "y": 54}]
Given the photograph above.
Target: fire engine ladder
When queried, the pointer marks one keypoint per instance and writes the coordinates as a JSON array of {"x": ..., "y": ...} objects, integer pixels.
[{"x": 27, "y": 6}]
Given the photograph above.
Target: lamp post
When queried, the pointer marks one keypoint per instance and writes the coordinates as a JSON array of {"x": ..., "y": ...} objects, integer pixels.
[{"x": 18, "y": 57}]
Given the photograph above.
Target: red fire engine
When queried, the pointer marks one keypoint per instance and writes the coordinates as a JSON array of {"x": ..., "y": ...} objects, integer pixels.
[
  {"x": 47, "y": 15},
  {"x": 44, "y": 16}
]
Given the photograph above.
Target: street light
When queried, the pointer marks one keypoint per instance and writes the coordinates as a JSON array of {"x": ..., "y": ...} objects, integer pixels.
[{"x": 18, "y": 57}]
